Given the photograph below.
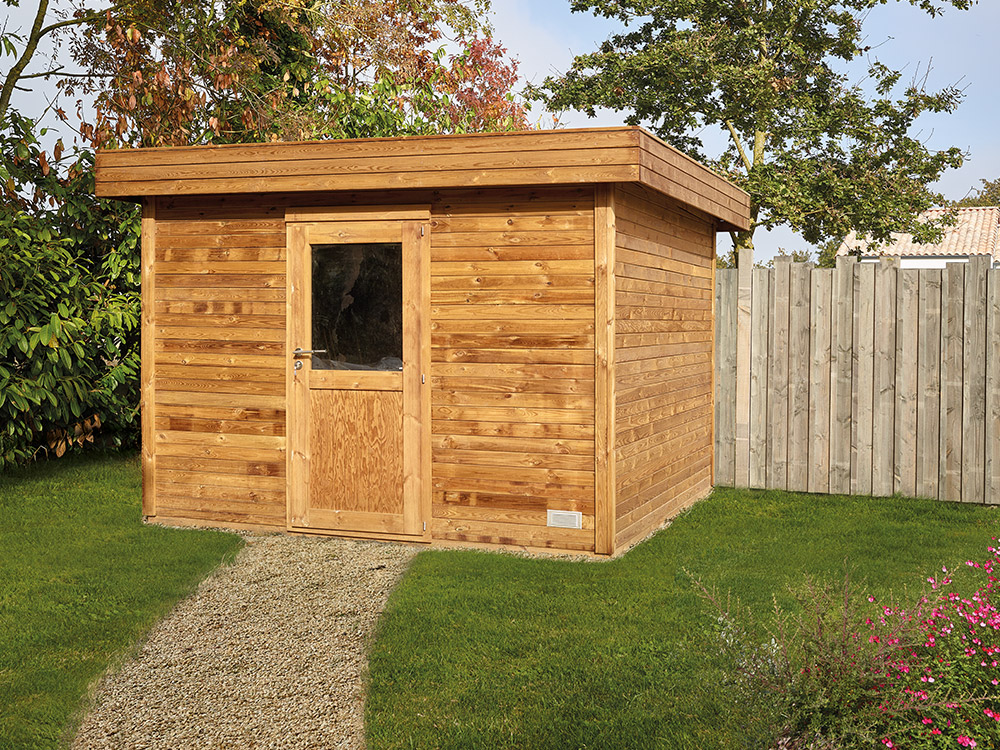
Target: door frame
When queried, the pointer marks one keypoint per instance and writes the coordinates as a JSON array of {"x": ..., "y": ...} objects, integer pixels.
[{"x": 409, "y": 225}]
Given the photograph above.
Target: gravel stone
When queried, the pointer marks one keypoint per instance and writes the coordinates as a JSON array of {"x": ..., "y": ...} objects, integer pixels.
[{"x": 270, "y": 652}]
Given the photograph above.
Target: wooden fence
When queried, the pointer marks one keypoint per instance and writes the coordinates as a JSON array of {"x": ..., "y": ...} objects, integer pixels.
[{"x": 866, "y": 379}]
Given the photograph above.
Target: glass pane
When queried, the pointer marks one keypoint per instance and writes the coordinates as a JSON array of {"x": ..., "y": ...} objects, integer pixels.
[{"x": 357, "y": 306}]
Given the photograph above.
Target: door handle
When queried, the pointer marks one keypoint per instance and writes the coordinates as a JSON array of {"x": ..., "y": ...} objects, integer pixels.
[{"x": 303, "y": 352}]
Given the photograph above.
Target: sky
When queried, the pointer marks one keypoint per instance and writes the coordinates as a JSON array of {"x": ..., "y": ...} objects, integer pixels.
[{"x": 960, "y": 46}]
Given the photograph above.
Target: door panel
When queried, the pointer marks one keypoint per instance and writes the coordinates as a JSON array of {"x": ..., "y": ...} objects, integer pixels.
[
  {"x": 358, "y": 395},
  {"x": 357, "y": 449}
]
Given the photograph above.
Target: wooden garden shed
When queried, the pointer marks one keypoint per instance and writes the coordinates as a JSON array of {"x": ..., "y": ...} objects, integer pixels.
[{"x": 499, "y": 339}]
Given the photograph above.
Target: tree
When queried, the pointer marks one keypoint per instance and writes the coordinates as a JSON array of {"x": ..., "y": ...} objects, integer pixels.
[
  {"x": 987, "y": 195},
  {"x": 814, "y": 151},
  {"x": 167, "y": 73}
]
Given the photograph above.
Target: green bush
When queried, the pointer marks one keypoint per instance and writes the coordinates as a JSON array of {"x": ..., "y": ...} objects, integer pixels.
[{"x": 69, "y": 305}]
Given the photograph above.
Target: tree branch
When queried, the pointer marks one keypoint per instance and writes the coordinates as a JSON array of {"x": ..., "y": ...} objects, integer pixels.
[
  {"x": 70, "y": 22},
  {"x": 58, "y": 72},
  {"x": 739, "y": 146},
  {"x": 22, "y": 62},
  {"x": 31, "y": 45}
]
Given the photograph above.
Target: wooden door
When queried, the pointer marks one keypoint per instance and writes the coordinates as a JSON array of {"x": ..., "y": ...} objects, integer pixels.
[{"x": 359, "y": 353}]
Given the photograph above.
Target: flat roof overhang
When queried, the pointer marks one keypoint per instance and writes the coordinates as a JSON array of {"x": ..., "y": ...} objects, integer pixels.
[{"x": 526, "y": 158}]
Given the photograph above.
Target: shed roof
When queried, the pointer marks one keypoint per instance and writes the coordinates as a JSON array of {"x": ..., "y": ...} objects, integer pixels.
[
  {"x": 539, "y": 157},
  {"x": 976, "y": 232}
]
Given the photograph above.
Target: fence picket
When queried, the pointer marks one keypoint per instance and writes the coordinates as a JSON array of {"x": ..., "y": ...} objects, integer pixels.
[
  {"x": 744, "y": 304},
  {"x": 907, "y": 333},
  {"x": 864, "y": 379},
  {"x": 759, "y": 318},
  {"x": 798, "y": 377},
  {"x": 884, "y": 389},
  {"x": 952, "y": 324},
  {"x": 974, "y": 383},
  {"x": 993, "y": 391},
  {"x": 841, "y": 386},
  {"x": 725, "y": 378},
  {"x": 777, "y": 453},
  {"x": 819, "y": 381},
  {"x": 929, "y": 384}
]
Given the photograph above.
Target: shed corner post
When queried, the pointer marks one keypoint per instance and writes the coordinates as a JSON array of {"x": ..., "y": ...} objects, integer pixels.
[
  {"x": 605, "y": 520},
  {"x": 147, "y": 355}
]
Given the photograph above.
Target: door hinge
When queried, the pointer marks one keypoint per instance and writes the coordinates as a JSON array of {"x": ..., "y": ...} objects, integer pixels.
[
  {"x": 421, "y": 230},
  {"x": 425, "y": 525},
  {"x": 423, "y": 378}
]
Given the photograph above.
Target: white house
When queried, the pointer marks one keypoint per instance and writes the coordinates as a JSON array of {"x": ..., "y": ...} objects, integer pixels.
[{"x": 975, "y": 232}]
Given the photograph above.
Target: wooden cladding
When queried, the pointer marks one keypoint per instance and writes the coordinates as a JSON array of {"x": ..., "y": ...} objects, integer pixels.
[
  {"x": 213, "y": 335},
  {"x": 512, "y": 365},
  {"x": 565, "y": 157},
  {"x": 568, "y": 359},
  {"x": 663, "y": 328}
]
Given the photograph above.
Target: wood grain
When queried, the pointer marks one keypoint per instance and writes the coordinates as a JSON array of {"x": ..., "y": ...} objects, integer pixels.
[
  {"x": 355, "y": 451},
  {"x": 620, "y": 155}
]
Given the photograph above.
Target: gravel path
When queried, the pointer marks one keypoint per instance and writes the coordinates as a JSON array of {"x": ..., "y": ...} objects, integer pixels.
[{"x": 268, "y": 653}]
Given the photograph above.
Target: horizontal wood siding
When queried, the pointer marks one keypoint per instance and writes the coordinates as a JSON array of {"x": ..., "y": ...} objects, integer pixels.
[
  {"x": 680, "y": 177},
  {"x": 663, "y": 360},
  {"x": 532, "y": 158},
  {"x": 216, "y": 333},
  {"x": 512, "y": 371}
]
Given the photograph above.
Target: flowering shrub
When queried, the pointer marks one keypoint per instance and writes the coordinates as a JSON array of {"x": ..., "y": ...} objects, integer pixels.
[
  {"x": 845, "y": 671},
  {"x": 950, "y": 680}
]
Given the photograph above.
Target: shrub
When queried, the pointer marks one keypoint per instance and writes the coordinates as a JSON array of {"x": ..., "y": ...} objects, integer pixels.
[
  {"x": 840, "y": 670},
  {"x": 69, "y": 305}
]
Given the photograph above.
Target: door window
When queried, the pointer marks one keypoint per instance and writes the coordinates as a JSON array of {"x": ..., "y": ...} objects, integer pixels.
[{"x": 357, "y": 306}]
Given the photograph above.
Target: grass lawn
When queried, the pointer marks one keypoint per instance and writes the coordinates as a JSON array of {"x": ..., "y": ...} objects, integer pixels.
[
  {"x": 81, "y": 579},
  {"x": 480, "y": 650}
]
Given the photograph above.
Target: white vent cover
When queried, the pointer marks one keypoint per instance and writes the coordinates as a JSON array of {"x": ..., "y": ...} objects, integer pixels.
[{"x": 565, "y": 519}]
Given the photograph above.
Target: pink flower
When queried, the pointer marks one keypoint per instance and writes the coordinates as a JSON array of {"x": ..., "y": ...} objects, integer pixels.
[{"x": 966, "y": 741}]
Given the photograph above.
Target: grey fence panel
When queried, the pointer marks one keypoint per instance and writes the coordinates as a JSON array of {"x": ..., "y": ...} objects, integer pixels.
[{"x": 866, "y": 379}]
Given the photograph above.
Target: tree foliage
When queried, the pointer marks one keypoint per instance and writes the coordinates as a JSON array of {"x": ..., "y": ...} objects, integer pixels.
[
  {"x": 815, "y": 151},
  {"x": 69, "y": 304},
  {"x": 987, "y": 195},
  {"x": 166, "y": 72}
]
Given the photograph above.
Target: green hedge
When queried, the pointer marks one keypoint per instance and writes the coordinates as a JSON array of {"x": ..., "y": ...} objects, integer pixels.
[{"x": 69, "y": 304}]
